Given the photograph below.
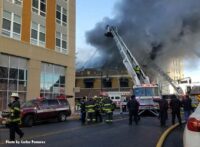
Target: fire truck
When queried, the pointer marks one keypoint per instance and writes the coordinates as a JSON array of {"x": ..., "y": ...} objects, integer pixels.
[{"x": 144, "y": 91}]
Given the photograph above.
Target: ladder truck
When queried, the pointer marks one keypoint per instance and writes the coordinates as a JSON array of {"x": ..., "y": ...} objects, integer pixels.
[{"x": 144, "y": 91}]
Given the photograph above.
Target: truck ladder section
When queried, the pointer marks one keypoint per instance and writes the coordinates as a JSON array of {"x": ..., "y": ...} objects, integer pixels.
[
  {"x": 173, "y": 83},
  {"x": 128, "y": 60}
]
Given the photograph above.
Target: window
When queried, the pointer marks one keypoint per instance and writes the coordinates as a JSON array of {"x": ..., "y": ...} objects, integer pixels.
[
  {"x": 30, "y": 103},
  {"x": 107, "y": 83},
  {"x": 13, "y": 78},
  {"x": 139, "y": 91},
  {"x": 18, "y": 2},
  {"x": 89, "y": 83},
  {"x": 53, "y": 102},
  {"x": 11, "y": 25},
  {"x": 39, "y": 7},
  {"x": 124, "y": 82},
  {"x": 43, "y": 104},
  {"x": 61, "y": 15},
  {"x": 64, "y": 17},
  {"x": 52, "y": 80},
  {"x": 16, "y": 26},
  {"x": 146, "y": 91},
  {"x": 61, "y": 42},
  {"x": 58, "y": 14},
  {"x": 38, "y": 34},
  {"x": 58, "y": 40},
  {"x": 41, "y": 35},
  {"x": 117, "y": 97}
]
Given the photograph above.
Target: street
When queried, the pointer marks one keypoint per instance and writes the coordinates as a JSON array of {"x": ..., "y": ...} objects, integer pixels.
[
  {"x": 72, "y": 134},
  {"x": 175, "y": 138}
]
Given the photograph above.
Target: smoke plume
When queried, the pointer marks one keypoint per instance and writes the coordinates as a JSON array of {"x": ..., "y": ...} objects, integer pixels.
[{"x": 156, "y": 29}]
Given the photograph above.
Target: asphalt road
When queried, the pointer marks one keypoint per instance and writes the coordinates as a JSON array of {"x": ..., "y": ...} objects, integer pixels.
[
  {"x": 175, "y": 138},
  {"x": 72, "y": 134}
]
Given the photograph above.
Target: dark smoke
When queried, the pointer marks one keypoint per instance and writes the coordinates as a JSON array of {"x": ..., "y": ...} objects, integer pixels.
[
  {"x": 156, "y": 29},
  {"x": 156, "y": 48}
]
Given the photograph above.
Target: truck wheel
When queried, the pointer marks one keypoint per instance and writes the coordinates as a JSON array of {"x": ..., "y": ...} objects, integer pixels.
[
  {"x": 61, "y": 117},
  {"x": 28, "y": 121}
]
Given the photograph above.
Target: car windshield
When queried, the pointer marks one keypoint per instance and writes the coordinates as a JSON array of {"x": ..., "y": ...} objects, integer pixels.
[
  {"x": 30, "y": 103},
  {"x": 146, "y": 91}
]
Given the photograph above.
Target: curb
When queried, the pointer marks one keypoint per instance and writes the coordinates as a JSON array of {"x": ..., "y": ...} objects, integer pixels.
[{"x": 165, "y": 134}]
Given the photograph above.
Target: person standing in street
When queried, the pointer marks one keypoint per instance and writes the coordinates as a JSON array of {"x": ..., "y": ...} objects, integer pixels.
[
  {"x": 175, "y": 105},
  {"x": 163, "y": 105},
  {"x": 83, "y": 110},
  {"x": 98, "y": 108},
  {"x": 15, "y": 119},
  {"x": 90, "y": 109},
  {"x": 107, "y": 106},
  {"x": 187, "y": 106},
  {"x": 133, "y": 107}
]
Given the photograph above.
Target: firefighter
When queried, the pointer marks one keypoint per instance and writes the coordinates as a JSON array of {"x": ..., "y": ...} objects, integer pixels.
[
  {"x": 83, "y": 110},
  {"x": 175, "y": 105},
  {"x": 138, "y": 71},
  {"x": 107, "y": 106},
  {"x": 90, "y": 110},
  {"x": 98, "y": 107},
  {"x": 163, "y": 105},
  {"x": 187, "y": 106},
  {"x": 133, "y": 107},
  {"x": 14, "y": 119}
]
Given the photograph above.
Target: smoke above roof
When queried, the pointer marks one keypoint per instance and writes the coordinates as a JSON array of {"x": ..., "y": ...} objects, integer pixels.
[{"x": 156, "y": 29}]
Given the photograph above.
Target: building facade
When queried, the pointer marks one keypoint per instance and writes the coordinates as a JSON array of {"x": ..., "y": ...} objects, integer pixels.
[
  {"x": 37, "y": 49},
  {"x": 92, "y": 82}
]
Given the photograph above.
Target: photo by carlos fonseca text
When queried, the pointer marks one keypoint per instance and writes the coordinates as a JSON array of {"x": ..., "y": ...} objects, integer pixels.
[{"x": 25, "y": 142}]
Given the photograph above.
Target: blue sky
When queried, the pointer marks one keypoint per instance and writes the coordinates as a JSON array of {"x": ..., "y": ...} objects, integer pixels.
[{"x": 88, "y": 13}]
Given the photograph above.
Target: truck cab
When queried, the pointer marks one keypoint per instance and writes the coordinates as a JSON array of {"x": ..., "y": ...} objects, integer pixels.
[{"x": 145, "y": 95}]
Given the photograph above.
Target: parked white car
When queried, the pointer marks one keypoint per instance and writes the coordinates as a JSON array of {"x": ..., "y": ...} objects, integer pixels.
[{"x": 191, "y": 135}]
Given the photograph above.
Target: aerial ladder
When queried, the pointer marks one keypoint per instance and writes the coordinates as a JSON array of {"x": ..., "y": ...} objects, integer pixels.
[
  {"x": 129, "y": 61},
  {"x": 172, "y": 82},
  {"x": 144, "y": 91}
]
